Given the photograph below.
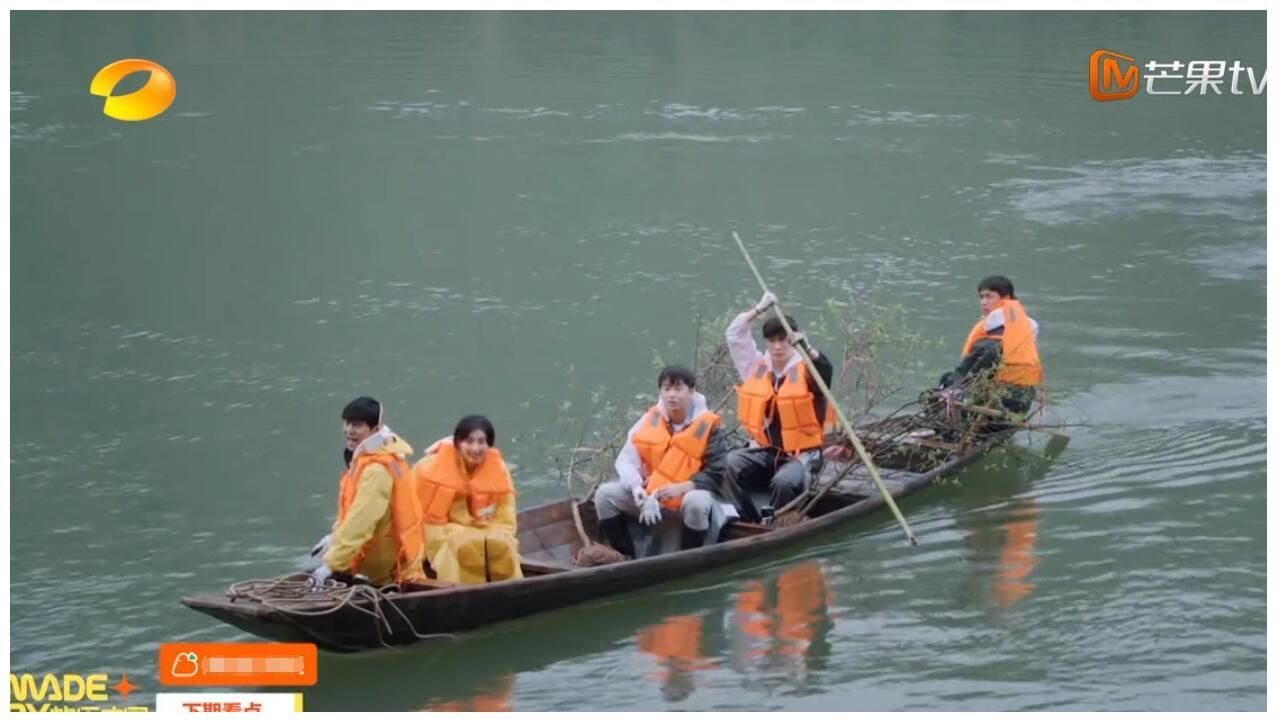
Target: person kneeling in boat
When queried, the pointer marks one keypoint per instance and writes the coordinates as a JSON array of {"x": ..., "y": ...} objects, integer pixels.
[
  {"x": 1003, "y": 343},
  {"x": 782, "y": 407},
  {"x": 673, "y": 462},
  {"x": 468, "y": 505},
  {"x": 378, "y": 530}
]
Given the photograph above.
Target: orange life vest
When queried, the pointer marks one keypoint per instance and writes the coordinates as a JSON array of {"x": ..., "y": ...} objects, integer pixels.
[
  {"x": 405, "y": 511},
  {"x": 672, "y": 458},
  {"x": 440, "y": 479},
  {"x": 800, "y": 428},
  {"x": 1020, "y": 363}
]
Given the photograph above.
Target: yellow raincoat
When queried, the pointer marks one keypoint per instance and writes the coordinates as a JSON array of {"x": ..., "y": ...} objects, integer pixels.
[
  {"x": 471, "y": 533},
  {"x": 377, "y": 532}
]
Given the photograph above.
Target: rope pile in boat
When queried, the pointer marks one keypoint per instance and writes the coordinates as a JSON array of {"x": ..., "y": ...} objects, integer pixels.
[
  {"x": 298, "y": 595},
  {"x": 595, "y": 554}
]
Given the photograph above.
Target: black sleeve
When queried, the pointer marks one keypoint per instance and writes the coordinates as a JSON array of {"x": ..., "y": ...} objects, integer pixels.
[
  {"x": 985, "y": 354},
  {"x": 826, "y": 369},
  {"x": 714, "y": 469}
]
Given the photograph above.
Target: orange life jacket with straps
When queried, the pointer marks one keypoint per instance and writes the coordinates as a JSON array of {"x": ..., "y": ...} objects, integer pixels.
[
  {"x": 800, "y": 428},
  {"x": 440, "y": 479},
  {"x": 405, "y": 511},
  {"x": 672, "y": 458},
  {"x": 1020, "y": 363}
]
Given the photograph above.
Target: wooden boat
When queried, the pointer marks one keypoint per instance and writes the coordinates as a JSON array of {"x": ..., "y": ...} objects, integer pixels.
[{"x": 548, "y": 538}]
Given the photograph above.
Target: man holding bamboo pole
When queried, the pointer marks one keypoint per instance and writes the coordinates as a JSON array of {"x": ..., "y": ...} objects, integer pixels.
[
  {"x": 780, "y": 406},
  {"x": 788, "y": 411}
]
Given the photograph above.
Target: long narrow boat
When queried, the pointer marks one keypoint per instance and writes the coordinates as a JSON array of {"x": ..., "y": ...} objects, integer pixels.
[{"x": 548, "y": 538}]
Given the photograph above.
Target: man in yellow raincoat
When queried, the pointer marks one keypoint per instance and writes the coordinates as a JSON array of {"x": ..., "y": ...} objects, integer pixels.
[
  {"x": 468, "y": 505},
  {"x": 378, "y": 530}
]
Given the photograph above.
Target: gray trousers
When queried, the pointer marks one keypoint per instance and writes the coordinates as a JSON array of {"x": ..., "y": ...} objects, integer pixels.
[
  {"x": 613, "y": 498},
  {"x": 701, "y": 511},
  {"x": 759, "y": 471}
]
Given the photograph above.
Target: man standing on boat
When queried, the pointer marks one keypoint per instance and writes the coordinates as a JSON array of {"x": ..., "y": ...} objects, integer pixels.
[
  {"x": 378, "y": 531},
  {"x": 1004, "y": 343},
  {"x": 780, "y": 406},
  {"x": 673, "y": 462}
]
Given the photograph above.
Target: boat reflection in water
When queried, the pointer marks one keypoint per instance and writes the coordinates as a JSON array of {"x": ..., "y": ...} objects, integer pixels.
[
  {"x": 781, "y": 623},
  {"x": 785, "y": 622}
]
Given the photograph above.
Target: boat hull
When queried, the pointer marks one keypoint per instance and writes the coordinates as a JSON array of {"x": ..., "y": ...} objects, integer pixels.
[{"x": 407, "y": 618}]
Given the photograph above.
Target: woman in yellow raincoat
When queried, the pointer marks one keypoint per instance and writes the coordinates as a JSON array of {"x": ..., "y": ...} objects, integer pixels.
[{"x": 468, "y": 504}]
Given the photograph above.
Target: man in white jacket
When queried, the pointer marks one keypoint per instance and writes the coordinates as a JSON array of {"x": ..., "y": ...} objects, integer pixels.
[
  {"x": 781, "y": 408},
  {"x": 673, "y": 462}
]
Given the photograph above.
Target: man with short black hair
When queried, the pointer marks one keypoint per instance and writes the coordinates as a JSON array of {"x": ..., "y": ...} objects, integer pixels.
[
  {"x": 781, "y": 407},
  {"x": 1003, "y": 341},
  {"x": 378, "y": 532},
  {"x": 673, "y": 461}
]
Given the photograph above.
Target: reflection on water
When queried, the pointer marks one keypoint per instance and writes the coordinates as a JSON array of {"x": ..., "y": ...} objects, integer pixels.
[
  {"x": 1001, "y": 534},
  {"x": 1018, "y": 559},
  {"x": 780, "y": 622},
  {"x": 775, "y": 624},
  {"x": 496, "y": 698},
  {"x": 676, "y": 645}
]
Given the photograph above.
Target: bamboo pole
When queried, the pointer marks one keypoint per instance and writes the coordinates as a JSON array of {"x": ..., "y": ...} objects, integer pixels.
[{"x": 833, "y": 404}]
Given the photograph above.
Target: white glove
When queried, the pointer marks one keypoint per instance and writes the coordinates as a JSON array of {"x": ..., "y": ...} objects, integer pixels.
[
  {"x": 321, "y": 575},
  {"x": 639, "y": 494},
  {"x": 767, "y": 301},
  {"x": 321, "y": 547},
  {"x": 650, "y": 512}
]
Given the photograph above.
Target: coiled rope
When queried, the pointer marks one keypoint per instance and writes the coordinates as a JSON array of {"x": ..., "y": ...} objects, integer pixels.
[{"x": 298, "y": 595}]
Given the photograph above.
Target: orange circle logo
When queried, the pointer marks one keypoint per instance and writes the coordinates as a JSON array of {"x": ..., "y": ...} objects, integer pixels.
[{"x": 147, "y": 102}]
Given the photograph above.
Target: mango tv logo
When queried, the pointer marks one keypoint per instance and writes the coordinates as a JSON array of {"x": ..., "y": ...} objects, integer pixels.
[
  {"x": 1114, "y": 76},
  {"x": 143, "y": 104}
]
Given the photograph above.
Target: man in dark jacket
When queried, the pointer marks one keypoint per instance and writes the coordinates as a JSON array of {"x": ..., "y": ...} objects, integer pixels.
[{"x": 1016, "y": 372}]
